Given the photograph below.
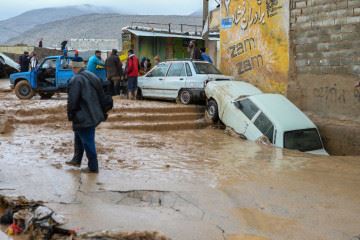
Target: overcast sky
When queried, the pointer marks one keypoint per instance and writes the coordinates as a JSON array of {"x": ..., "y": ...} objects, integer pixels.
[{"x": 11, "y": 8}]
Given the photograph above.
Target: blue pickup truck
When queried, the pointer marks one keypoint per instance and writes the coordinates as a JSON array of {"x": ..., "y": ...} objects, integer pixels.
[{"x": 51, "y": 76}]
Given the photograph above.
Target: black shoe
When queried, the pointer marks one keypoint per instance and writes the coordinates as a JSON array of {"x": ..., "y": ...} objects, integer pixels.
[
  {"x": 87, "y": 170},
  {"x": 73, "y": 163}
]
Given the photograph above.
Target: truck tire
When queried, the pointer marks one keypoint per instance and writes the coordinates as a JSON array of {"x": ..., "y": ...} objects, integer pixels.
[
  {"x": 23, "y": 90},
  {"x": 212, "y": 111},
  {"x": 185, "y": 96},
  {"x": 44, "y": 95}
]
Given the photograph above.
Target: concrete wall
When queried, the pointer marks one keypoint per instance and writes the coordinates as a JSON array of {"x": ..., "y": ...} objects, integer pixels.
[
  {"x": 325, "y": 65},
  {"x": 95, "y": 44},
  {"x": 255, "y": 42}
]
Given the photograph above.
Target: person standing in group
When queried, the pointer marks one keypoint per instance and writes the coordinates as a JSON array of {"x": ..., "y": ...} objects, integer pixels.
[
  {"x": 33, "y": 61},
  {"x": 194, "y": 51},
  {"x": 96, "y": 65},
  {"x": 123, "y": 82},
  {"x": 114, "y": 72},
  {"x": 64, "y": 63},
  {"x": 77, "y": 58},
  {"x": 132, "y": 74},
  {"x": 63, "y": 45},
  {"x": 205, "y": 57},
  {"x": 85, "y": 111},
  {"x": 157, "y": 60},
  {"x": 40, "y": 43},
  {"x": 24, "y": 61},
  {"x": 145, "y": 66}
]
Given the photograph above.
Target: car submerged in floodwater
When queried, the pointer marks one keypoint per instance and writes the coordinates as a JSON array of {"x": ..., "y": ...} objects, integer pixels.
[
  {"x": 179, "y": 79},
  {"x": 255, "y": 115}
]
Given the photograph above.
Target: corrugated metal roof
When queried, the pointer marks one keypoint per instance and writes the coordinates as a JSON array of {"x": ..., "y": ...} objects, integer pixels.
[{"x": 143, "y": 33}]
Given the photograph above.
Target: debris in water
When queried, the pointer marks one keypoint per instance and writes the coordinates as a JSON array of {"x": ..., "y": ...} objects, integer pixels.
[
  {"x": 31, "y": 218},
  {"x": 123, "y": 236}
]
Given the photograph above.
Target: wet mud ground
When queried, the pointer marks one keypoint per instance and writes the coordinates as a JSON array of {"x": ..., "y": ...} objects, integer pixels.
[{"x": 197, "y": 183}]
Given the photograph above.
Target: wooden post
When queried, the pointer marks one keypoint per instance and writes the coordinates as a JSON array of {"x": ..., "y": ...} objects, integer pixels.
[
  {"x": 205, "y": 17},
  {"x": 205, "y": 11}
]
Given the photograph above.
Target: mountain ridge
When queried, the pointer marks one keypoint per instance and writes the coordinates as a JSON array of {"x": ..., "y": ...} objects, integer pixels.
[
  {"x": 15, "y": 26},
  {"x": 97, "y": 26}
]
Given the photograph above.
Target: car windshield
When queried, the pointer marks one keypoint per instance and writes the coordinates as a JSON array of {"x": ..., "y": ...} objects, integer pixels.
[
  {"x": 206, "y": 68},
  {"x": 303, "y": 140}
]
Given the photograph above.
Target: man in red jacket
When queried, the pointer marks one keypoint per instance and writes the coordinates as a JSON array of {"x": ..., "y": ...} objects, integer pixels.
[{"x": 132, "y": 74}]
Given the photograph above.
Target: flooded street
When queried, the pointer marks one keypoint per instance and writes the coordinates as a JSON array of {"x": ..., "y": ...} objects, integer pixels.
[{"x": 163, "y": 168}]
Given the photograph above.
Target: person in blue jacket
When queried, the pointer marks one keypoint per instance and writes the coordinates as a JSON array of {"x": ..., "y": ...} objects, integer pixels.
[
  {"x": 96, "y": 65},
  {"x": 204, "y": 56}
]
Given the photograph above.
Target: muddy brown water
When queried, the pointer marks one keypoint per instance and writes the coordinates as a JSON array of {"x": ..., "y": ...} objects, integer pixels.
[{"x": 189, "y": 184}]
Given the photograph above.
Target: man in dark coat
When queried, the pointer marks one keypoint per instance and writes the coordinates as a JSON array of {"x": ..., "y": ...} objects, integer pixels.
[
  {"x": 86, "y": 113},
  {"x": 63, "y": 45},
  {"x": 114, "y": 72},
  {"x": 24, "y": 61},
  {"x": 194, "y": 51},
  {"x": 41, "y": 43}
]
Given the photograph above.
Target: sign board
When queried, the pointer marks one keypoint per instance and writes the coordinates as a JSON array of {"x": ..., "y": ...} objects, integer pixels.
[{"x": 255, "y": 42}]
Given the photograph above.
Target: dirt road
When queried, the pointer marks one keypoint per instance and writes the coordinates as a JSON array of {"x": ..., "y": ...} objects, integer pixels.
[{"x": 197, "y": 183}]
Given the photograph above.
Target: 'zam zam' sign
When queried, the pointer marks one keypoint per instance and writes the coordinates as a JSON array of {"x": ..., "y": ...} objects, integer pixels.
[{"x": 254, "y": 39}]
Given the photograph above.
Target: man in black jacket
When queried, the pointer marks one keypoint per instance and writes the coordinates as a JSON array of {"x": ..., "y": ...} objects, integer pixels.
[
  {"x": 86, "y": 113},
  {"x": 24, "y": 61}
]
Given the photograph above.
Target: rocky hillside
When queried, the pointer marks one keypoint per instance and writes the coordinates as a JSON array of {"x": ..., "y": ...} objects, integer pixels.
[
  {"x": 15, "y": 26},
  {"x": 92, "y": 26}
]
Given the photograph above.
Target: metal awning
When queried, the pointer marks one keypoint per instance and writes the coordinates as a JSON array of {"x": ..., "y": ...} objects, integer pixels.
[{"x": 143, "y": 33}]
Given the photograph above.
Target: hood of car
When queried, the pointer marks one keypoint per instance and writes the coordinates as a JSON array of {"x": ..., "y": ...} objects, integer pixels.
[
  {"x": 217, "y": 77},
  {"x": 8, "y": 61},
  {"x": 232, "y": 89}
]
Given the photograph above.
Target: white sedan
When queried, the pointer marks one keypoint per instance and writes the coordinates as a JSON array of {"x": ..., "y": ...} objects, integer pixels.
[
  {"x": 183, "y": 79},
  {"x": 255, "y": 115}
]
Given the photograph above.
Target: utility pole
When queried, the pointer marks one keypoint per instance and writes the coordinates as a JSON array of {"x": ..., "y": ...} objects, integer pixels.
[
  {"x": 205, "y": 17},
  {"x": 205, "y": 11}
]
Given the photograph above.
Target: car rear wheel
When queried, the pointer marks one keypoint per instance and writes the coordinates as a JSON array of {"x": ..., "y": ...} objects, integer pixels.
[
  {"x": 23, "y": 90},
  {"x": 212, "y": 110},
  {"x": 185, "y": 97},
  {"x": 46, "y": 95}
]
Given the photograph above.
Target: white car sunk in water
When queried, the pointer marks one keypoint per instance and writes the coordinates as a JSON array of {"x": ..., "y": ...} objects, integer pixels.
[
  {"x": 182, "y": 79},
  {"x": 253, "y": 115}
]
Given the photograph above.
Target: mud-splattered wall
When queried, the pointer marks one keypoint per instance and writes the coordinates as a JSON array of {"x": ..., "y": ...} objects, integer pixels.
[{"x": 255, "y": 42}]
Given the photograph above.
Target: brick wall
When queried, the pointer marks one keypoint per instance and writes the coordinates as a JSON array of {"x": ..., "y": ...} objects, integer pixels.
[
  {"x": 326, "y": 35},
  {"x": 325, "y": 64}
]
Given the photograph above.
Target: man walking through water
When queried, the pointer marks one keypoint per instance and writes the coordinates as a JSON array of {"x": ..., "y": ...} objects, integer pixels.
[{"x": 85, "y": 111}]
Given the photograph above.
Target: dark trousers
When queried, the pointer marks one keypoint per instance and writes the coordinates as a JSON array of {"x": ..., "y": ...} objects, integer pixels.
[
  {"x": 114, "y": 87},
  {"x": 85, "y": 141},
  {"x": 123, "y": 87}
]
